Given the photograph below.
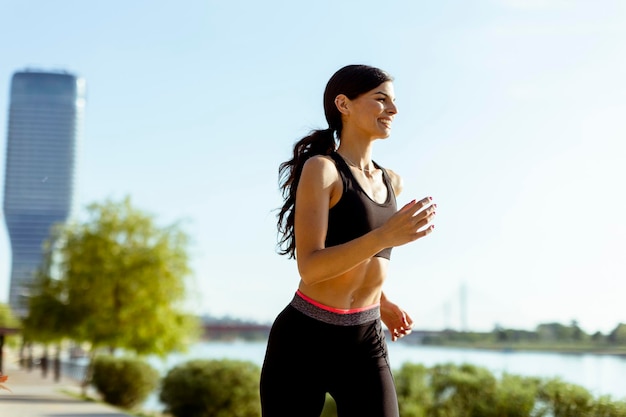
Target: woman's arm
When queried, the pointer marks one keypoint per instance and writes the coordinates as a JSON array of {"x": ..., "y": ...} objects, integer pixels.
[
  {"x": 396, "y": 319},
  {"x": 320, "y": 185}
]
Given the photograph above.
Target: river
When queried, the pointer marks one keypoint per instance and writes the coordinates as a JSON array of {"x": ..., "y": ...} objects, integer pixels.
[{"x": 600, "y": 374}]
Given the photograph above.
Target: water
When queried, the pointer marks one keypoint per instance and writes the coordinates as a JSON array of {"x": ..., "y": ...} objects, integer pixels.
[{"x": 600, "y": 374}]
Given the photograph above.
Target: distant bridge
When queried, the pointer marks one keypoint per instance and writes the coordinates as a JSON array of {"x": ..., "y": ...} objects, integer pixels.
[
  {"x": 234, "y": 331},
  {"x": 261, "y": 331}
]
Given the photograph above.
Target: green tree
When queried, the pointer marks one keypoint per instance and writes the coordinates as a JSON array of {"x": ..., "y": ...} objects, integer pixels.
[
  {"x": 124, "y": 280},
  {"x": 7, "y": 319},
  {"x": 598, "y": 337},
  {"x": 618, "y": 335},
  {"x": 114, "y": 280},
  {"x": 577, "y": 333},
  {"x": 47, "y": 320},
  {"x": 560, "y": 332}
]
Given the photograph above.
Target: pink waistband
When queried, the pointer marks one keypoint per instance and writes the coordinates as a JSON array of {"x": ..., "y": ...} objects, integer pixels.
[{"x": 333, "y": 309}]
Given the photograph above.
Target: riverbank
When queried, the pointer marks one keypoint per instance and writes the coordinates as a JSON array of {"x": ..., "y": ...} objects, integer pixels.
[
  {"x": 580, "y": 349},
  {"x": 601, "y": 372}
]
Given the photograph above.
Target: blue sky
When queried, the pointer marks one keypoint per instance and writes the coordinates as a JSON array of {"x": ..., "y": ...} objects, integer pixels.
[{"x": 511, "y": 115}]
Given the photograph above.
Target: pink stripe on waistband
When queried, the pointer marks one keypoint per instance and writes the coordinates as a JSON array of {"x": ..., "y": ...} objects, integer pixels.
[{"x": 333, "y": 309}]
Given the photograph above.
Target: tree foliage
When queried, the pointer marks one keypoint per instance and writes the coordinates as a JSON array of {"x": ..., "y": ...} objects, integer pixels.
[
  {"x": 47, "y": 320},
  {"x": 414, "y": 394},
  {"x": 451, "y": 390},
  {"x": 115, "y": 280},
  {"x": 618, "y": 335},
  {"x": 7, "y": 319}
]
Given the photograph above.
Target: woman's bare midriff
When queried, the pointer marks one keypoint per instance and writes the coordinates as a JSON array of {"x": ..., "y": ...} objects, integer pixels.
[{"x": 359, "y": 287}]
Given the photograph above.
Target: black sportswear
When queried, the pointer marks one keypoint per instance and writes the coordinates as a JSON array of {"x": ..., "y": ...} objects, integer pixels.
[
  {"x": 307, "y": 357},
  {"x": 356, "y": 213}
]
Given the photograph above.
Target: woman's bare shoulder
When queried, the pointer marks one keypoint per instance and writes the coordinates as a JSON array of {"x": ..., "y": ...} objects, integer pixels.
[
  {"x": 320, "y": 161},
  {"x": 321, "y": 165},
  {"x": 320, "y": 174}
]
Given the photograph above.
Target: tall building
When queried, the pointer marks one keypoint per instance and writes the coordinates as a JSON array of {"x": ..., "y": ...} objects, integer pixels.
[{"x": 45, "y": 114}]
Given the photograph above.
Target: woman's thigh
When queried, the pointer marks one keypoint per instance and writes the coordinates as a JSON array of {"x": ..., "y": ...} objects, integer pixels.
[
  {"x": 370, "y": 394},
  {"x": 363, "y": 384},
  {"x": 306, "y": 358},
  {"x": 292, "y": 382}
]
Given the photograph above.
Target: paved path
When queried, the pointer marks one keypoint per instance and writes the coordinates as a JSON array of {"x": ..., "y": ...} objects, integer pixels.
[{"x": 34, "y": 396}]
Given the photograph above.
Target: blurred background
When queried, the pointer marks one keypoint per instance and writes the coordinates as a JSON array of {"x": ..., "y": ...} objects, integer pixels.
[{"x": 511, "y": 115}]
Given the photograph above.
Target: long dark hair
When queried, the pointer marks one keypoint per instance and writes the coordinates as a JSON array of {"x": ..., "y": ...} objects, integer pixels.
[{"x": 352, "y": 81}]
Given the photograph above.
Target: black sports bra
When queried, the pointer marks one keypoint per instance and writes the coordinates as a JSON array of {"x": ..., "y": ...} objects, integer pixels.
[{"x": 356, "y": 213}]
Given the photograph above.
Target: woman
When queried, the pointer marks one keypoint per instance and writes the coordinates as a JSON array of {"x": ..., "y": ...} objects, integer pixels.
[{"x": 340, "y": 221}]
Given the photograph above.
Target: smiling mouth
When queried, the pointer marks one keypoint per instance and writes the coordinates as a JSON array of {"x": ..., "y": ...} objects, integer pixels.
[{"x": 386, "y": 123}]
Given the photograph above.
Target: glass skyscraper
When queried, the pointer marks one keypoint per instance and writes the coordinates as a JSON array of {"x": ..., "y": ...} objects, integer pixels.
[{"x": 45, "y": 114}]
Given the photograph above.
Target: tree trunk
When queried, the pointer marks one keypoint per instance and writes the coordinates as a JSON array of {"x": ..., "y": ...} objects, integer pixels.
[
  {"x": 88, "y": 371},
  {"x": 44, "y": 362},
  {"x": 57, "y": 364}
]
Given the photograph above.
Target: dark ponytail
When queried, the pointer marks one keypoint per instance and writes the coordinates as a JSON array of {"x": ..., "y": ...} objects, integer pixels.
[
  {"x": 319, "y": 142},
  {"x": 352, "y": 81}
]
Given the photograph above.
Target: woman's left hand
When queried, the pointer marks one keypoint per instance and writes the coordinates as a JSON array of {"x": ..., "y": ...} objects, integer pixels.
[{"x": 397, "y": 320}]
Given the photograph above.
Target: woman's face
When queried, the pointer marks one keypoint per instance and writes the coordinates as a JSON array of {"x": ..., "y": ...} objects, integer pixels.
[{"x": 372, "y": 113}]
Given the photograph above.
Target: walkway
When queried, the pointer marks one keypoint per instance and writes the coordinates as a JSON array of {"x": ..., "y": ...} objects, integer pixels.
[{"x": 34, "y": 396}]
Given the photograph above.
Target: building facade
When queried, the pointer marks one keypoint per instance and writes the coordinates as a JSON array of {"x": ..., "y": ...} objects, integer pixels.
[{"x": 45, "y": 115}]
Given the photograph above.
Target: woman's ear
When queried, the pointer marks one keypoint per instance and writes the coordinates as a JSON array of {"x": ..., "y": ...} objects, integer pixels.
[{"x": 342, "y": 103}]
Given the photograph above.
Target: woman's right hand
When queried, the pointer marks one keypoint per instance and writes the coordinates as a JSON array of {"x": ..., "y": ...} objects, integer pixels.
[{"x": 411, "y": 222}]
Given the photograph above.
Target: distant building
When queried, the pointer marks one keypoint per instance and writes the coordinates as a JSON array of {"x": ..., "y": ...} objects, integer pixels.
[{"x": 45, "y": 114}]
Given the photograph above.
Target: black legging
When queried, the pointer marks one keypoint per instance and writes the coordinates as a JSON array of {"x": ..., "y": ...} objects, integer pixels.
[{"x": 307, "y": 357}]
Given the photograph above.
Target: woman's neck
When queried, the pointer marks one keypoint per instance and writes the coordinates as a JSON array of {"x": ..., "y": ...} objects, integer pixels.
[{"x": 358, "y": 156}]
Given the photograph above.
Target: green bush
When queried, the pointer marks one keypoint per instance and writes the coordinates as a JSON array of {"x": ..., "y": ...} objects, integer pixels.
[
  {"x": 561, "y": 399},
  {"x": 415, "y": 397},
  {"x": 605, "y": 407},
  {"x": 462, "y": 391},
  {"x": 123, "y": 382},
  {"x": 514, "y": 397},
  {"x": 468, "y": 391},
  {"x": 212, "y": 388}
]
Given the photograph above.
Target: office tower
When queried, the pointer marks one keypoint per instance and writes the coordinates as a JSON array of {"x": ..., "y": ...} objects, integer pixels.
[{"x": 45, "y": 114}]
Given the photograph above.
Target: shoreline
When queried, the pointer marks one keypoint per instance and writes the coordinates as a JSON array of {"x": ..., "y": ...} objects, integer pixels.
[{"x": 559, "y": 349}]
